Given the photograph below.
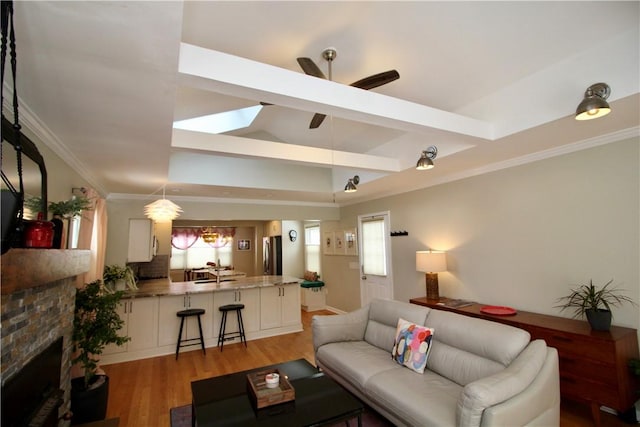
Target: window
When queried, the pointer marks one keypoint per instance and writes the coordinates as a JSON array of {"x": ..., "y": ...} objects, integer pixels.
[
  {"x": 373, "y": 247},
  {"x": 199, "y": 254},
  {"x": 312, "y": 248}
]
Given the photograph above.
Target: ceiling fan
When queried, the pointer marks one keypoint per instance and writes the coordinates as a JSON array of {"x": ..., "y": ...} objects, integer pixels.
[{"x": 310, "y": 68}]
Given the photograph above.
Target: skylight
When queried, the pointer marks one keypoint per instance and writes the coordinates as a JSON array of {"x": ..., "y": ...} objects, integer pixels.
[{"x": 220, "y": 122}]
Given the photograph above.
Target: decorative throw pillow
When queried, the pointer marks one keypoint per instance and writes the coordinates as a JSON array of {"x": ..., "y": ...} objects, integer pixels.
[
  {"x": 412, "y": 345},
  {"x": 311, "y": 276}
]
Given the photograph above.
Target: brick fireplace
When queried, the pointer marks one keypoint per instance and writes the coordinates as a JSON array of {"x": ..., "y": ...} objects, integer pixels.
[{"x": 38, "y": 294}]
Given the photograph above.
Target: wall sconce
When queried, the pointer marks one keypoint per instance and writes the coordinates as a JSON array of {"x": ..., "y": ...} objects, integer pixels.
[
  {"x": 594, "y": 104},
  {"x": 351, "y": 184},
  {"x": 431, "y": 262},
  {"x": 425, "y": 161}
]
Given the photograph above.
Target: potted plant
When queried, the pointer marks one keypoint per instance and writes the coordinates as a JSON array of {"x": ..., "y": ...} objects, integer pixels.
[
  {"x": 96, "y": 324},
  {"x": 594, "y": 303},
  {"x": 118, "y": 277},
  {"x": 69, "y": 208}
]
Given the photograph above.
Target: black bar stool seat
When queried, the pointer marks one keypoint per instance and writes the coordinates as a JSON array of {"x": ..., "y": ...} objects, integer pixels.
[
  {"x": 225, "y": 336},
  {"x": 190, "y": 341}
]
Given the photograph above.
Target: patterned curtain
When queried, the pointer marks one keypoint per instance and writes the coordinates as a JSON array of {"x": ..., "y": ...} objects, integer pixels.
[{"x": 184, "y": 238}]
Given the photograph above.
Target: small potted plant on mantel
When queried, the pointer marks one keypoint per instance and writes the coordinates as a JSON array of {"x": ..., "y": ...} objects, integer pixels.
[
  {"x": 96, "y": 324},
  {"x": 595, "y": 303},
  {"x": 118, "y": 278}
]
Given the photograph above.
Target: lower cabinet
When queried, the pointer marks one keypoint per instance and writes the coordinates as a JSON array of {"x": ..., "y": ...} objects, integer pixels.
[
  {"x": 279, "y": 306},
  {"x": 170, "y": 322},
  {"x": 250, "y": 314},
  {"x": 140, "y": 318}
]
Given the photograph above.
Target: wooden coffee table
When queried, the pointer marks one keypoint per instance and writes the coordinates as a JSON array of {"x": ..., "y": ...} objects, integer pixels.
[{"x": 223, "y": 400}]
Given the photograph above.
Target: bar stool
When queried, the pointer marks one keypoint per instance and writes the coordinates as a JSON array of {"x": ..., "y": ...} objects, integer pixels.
[
  {"x": 224, "y": 336},
  {"x": 182, "y": 315}
]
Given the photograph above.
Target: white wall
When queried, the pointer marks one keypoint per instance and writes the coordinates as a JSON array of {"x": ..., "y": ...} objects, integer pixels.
[
  {"x": 292, "y": 252},
  {"x": 522, "y": 236}
]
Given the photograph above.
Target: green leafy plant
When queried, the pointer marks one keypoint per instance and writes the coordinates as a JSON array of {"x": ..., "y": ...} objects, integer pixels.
[
  {"x": 96, "y": 323},
  {"x": 113, "y": 273},
  {"x": 70, "y": 208},
  {"x": 589, "y": 297}
]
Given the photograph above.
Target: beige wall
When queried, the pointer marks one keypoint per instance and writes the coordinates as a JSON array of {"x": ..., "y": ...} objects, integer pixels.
[
  {"x": 519, "y": 237},
  {"x": 292, "y": 252}
]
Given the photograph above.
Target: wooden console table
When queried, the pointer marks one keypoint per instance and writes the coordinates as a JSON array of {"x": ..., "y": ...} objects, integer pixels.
[{"x": 593, "y": 364}]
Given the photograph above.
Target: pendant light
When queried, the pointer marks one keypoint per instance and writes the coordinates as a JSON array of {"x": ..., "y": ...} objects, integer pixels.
[
  {"x": 594, "y": 104},
  {"x": 425, "y": 162},
  {"x": 162, "y": 210},
  {"x": 351, "y": 184}
]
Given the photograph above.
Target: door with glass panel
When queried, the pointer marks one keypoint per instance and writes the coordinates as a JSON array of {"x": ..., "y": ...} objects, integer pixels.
[{"x": 375, "y": 257}]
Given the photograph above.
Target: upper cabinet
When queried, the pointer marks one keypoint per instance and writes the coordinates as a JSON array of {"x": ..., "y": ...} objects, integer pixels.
[{"x": 141, "y": 240}]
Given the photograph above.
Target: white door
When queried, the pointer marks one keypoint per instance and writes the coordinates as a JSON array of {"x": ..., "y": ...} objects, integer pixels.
[{"x": 375, "y": 257}]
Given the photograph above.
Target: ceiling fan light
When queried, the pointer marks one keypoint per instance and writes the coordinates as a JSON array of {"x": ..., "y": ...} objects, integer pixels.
[{"x": 594, "y": 104}]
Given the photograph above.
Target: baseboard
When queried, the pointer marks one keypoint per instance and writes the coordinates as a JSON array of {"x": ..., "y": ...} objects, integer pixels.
[{"x": 335, "y": 310}]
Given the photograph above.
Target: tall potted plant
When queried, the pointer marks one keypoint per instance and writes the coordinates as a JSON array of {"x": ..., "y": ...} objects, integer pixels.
[
  {"x": 595, "y": 303},
  {"x": 96, "y": 324}
]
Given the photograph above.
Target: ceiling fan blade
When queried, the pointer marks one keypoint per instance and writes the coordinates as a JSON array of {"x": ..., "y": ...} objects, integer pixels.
[
  {"x": 310, "y": 68},
  {"x": 265, "y": 103},
  {"x": 376, "y": 80},
  {"x": 317, "y": 120}
]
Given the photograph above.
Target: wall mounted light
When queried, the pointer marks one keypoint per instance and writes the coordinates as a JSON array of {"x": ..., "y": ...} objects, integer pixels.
[
  {"x": 351, "y": 184},
  {"x": 594, "y": 104},
  {"x": 431, "y": 262},
  {"x": 425, "y": 161}
]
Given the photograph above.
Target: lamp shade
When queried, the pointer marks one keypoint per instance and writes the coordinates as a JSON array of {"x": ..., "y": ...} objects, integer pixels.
[
  {"x": 594, "y": 104},
  {"x": 431, "y": 261},
  {"x": 162, "y": 210}
]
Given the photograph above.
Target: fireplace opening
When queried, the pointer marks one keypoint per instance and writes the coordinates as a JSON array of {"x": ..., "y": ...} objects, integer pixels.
[{"x": 32, "y": 396}]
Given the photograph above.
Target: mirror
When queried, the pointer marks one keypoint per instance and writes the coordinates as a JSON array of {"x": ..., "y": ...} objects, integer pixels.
[{"x": 34, "y": 173}]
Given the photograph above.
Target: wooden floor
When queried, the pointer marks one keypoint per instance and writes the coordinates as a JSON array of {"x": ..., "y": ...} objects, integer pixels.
[{"x": 142, "y": 392}]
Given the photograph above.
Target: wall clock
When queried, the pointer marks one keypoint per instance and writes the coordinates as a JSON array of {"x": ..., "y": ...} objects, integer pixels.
[{"x": 293, "y": 235}]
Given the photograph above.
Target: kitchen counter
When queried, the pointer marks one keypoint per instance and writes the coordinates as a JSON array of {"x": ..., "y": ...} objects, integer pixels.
[{"x": 161, "y": 287}]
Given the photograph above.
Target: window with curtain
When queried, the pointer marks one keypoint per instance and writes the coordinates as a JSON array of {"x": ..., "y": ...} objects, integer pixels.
[
  {"x": 373, "y": 248},
  {"x": 199, "y": 253},
  {"x": 312, "y": 248}
]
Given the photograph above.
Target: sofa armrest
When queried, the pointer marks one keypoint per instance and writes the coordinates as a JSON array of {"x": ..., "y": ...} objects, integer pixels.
[
  {"x": 340, "y": 327},
  {"x": 494, "y": 389}
]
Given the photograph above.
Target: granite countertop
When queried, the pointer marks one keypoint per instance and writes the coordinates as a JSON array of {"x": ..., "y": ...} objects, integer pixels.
[{"x": 162, "y": 287}]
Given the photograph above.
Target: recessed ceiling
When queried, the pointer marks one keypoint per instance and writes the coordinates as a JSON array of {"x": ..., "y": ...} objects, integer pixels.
[{"x": 488, "y": 83}]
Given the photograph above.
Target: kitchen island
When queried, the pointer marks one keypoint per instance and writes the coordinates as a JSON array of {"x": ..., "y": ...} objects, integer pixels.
[{"x": 272, "y": 307}]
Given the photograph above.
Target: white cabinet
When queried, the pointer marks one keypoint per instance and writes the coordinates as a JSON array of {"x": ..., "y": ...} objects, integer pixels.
[
  {"x": 140, "y": 318},
  {"x": 170, "y": 323},
  {"x": 279, "y": 306},
  {"x": 250, "y": 314},
  {"x": 141, "y": 240}
]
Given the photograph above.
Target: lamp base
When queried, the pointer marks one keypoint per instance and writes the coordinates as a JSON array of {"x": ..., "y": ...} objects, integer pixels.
[{"x": 431, "y": 280}]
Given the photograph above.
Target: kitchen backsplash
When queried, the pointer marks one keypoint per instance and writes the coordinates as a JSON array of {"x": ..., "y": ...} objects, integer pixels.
[{"x": 157, "y": 268}]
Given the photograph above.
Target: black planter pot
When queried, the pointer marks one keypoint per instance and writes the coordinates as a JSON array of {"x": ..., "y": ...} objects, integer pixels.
[
  {"x": 88, "y": 405},
  {"x": 600, "y": 320}
]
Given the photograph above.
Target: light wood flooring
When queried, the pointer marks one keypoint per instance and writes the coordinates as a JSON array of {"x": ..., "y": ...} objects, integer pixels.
[{"x": 142, "y": 392}]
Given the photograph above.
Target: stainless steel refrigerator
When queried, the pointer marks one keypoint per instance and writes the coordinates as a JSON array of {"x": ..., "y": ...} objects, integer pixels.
[{"x": 272, "y": 255}]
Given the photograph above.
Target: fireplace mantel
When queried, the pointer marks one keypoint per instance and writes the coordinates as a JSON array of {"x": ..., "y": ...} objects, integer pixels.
[{"x": 28, "y": 268}]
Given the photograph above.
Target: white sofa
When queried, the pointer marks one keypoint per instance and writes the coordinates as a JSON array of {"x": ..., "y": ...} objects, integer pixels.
[{"x": 478, "y": 372}]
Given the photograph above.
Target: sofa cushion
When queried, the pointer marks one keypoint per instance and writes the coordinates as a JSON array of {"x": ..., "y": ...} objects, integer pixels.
[
  {"x": 466, "y": 349},
  {"x": 418, "y": 400},
  {"x": 383, "y": 320},
  {"x": 355, "y": 361},
  {"x": 412, "y": 345}
]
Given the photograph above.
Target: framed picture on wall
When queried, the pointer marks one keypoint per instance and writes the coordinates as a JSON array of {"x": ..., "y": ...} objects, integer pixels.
[
  {"x": 350, "y": 242},
  {"x": 327, "y": 242},
  {"x": 244, "y": 245},
  {"x": 338, "y": 243}
]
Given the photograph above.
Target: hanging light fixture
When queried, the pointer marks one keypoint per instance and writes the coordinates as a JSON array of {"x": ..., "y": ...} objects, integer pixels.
[
  {"x": 425, "y": 161},
  {"x": 594, "y": 104},
  {"x": 351, "y": 184},
  {"x": 209, "y": 236},
  {"x": 162, "y": 210}
]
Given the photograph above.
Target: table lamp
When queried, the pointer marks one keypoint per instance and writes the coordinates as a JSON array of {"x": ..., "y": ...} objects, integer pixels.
[{"x": 431, "y": 262}]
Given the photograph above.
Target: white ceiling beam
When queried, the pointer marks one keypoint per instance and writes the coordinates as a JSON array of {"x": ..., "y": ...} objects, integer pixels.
[
  {"x": 257, "y": 148},
  {"x": 231, "y": 75}
]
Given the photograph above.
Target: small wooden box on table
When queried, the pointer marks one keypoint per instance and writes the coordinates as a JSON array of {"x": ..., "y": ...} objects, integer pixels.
[
  {"x": 593, "y": 364},
  {"x": 262, "y": 396}
]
